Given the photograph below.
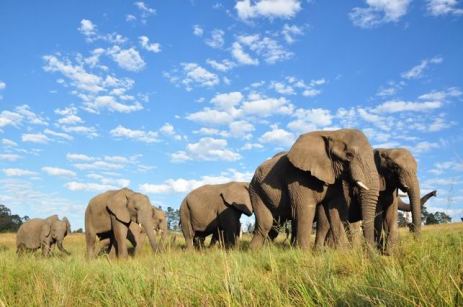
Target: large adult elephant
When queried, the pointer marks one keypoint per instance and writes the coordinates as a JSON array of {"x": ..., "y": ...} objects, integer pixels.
[
  {"x": 44, "y": 234},
  {"x": 136, "y": 234},
  {"x": 290, "y": 185},
  {"x": 397, "y": 169},
  {"x": 214, "y": 209},
  {"x": 110, "y": 214}
]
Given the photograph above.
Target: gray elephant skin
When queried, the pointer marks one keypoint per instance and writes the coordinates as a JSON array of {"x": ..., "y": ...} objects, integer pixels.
[
  {"x": 214, "y": 209},
  {"x": 110, "y": 214},
  {"x": 44, "y": 234},
  {"x": 136, "y": 234},
  {"x": 290, "y": 185},
  {"x": 397, "y": 169}
]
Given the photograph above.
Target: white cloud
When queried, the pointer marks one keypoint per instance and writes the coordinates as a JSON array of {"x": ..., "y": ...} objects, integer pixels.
[
  {"x": 310, "y": 119},
  {"x": 145, "y": 10},
  {"x": 241, "y": 56},
  {"x": 79, "y": 157},
  {"x": 394, "y": 106},
  {"x": 59, "y": 172},
  {"x": 139, "y": 135},
  {"x": 128, "y": 59},
  {"x": 110, "y": 103},
  {"x": 198, "y": 30},
  {"x": 226, "y": 101},
  {"x": 251, "y": 146},
  {"x": 378, "y": 12},
  {"x": 152, "y": 47},
  {"x": 268, "y": 48},
  {"x": 417, "y": 71},
  {"x": 224, "y": 65},
  {"x": 89, "y": 132},
  {"x": 424, "y": 146},
  {"x": 194, "y": 75},
  {"x": 291, "y": 31},
  {"x": 207, "y": 149},
  {"x": 58, "y": 134},
  {"x": 35, "y": 138},
  {"x": 87, "y": 28},
  {"x": 18, "y": 172},
  {"x": 216, "y": 40},
  {"x": 443, "y": 7},
  {"x": 181, "y": 185},
  {"x": 22, "y": 114},
  {"x": 264, "y": 107},
  {"x": 278, "y": 137},
  {"x": 248, "y": 9},
  {"x": 210, "y": 116},
  {"x": 105, "y": 185},
  {"x": 130, "y": 18},
  {"x": 9, "y": 143},
  {"x": 9, "y": 157},
  {"x": 2, "y": 85},
  {"x": 241, "y": 129}
]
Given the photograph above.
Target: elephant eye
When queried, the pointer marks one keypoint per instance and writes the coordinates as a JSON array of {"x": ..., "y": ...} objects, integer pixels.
[{"x": 349, "y": 156}]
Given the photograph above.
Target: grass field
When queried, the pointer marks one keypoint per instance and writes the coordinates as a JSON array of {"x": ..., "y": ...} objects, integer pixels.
[{"x": 427, "y": 272}]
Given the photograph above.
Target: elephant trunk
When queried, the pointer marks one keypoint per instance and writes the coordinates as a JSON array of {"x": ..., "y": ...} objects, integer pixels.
[
  {"x": 365, "y": 172},
  {"x": 148, "y": 227},
  {"x": 415, "y": 203},
  {"x": 163, "y": 229},
  {"x": 403, "y": 206}
]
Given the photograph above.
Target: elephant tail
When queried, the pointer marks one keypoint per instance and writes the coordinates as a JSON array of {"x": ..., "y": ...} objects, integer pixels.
[{"x": 185, "y": 220}]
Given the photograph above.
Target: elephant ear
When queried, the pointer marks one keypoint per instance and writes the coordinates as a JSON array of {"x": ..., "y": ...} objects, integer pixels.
[
  {"x": 118, "y": 206},
  {"x": 236, "y": 194},
  {"x": 309, "y": 153},
  {"x": 45, "y": 230},
  {"x": 68, "y": 225}
]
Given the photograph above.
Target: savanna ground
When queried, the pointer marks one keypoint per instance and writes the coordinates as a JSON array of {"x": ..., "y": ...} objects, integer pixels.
[{"x": 427, "y": 272}]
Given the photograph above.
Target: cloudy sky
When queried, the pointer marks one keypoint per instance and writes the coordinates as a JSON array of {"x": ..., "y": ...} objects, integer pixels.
[{"x": 164, "y": 96}]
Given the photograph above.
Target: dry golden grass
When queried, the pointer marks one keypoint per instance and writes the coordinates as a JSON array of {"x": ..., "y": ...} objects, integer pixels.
[{"x": 427, "y": 272}]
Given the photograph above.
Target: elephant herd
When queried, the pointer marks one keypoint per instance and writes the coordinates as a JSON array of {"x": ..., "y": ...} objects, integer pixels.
[{"x": 332, "y": 177}]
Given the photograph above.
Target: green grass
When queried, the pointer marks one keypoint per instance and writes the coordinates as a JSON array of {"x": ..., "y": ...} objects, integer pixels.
[{"x": 427, "y": 272}]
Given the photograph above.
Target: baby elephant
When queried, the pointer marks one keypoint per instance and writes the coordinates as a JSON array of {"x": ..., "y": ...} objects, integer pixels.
[
  {"x": 214, "y": 209},
  {"x": 43, "y": 233}
]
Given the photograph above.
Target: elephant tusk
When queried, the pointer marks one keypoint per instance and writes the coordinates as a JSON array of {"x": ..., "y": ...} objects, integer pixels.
[{"x": 362, "y": 185}]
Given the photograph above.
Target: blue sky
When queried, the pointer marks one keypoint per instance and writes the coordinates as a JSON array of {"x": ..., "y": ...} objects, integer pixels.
[{"x": 164, "y": 96}]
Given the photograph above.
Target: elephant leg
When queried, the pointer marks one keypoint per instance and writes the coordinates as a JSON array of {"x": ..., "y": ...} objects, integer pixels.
[
  {"x": 61, "y": 248},
  {"x": 391, "y": 227},
  {"x": 264, "y": 221},
  {"x": 355, "y": 234},
  {"x": 90, "y": 239},
  {"x": 120, "y": 236},
  {"x": 189, "y": 238},
  {"x": 323, "y": 226},
  {"x": 337, "y": 228},
  {"x": 133, "y": 240},
  {"x": 105, "y": 246},
  {"x": 46, "y": 248},
  {"x": 379, "y": 227}
]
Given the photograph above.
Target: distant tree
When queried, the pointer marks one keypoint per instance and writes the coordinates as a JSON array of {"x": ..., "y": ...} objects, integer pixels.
[
  {"x": 80, "y": 230},
  {"x": 173, "y": 218},
  {"x": 10, "y": 222},
  {"x": 402, "y": 220},
  {"x": 250, "y": 228},
  {"x": 437, "y": 217}
]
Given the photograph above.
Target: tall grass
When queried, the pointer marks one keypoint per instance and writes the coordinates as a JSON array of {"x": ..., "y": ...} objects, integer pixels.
[{"x": 427, "y": 272}]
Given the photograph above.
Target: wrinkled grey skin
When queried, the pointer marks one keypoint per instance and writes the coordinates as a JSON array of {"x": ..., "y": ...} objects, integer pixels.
[
  {"x": 136, "y": 234},
  {"x": 214, "y": 209},
  {"x": 110, "y": 214},
  {"x": 44, "y": 234},
  {"x": 398, "y": 170},
  {"x": 290, "y": 186},
  {"x": 354, "y": 229}
]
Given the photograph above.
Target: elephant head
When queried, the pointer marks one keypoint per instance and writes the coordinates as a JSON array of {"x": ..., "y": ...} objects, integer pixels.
[
  {"x": 236, "y": 195},
  {"x": 399, "y": 169},
  {"x": 341, "y": 154},
  {"x": 160, "y": 222},
  {"x": 60, "y": 229},
  {"x": 128, "y": 206}
]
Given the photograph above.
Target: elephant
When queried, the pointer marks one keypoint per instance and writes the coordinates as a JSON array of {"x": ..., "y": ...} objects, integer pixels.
[
  {"x": 354, "y": 228},
  {"x": 214, "y": 209},
  {"x": 44, "y": 234},
  {"x": 136, "y": 234},
  {"x": 314, "y": 171},
  {"x": 397, "y": 169},
  {"x": 110, "y": 214}
]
